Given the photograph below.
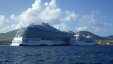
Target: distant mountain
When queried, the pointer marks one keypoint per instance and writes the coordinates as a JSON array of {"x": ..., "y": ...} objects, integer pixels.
[
  {"x": 110, "y": 37},
  {"x": 7, "y": 37},
  {"x": 95, "y": 36}
]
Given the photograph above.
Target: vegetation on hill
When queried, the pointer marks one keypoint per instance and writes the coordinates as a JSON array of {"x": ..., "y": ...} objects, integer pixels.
[
  {"x": 96, "y": 37},
  {"x": 7, "y": 37}
]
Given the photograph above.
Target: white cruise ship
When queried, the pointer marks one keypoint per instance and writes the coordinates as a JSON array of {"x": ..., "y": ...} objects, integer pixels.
[
  {"x": 43, "y": 34},
  {"x": 83, "y": 39}
]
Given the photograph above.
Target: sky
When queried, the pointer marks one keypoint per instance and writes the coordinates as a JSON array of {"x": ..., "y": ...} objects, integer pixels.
[{"x": 66, "y": 15}]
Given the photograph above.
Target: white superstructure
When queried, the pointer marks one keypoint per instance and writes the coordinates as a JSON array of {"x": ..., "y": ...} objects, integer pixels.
[
  {"x": 83, "y": 40},
  {"x": 18, "y": 37},
  {"x": 16, "y": 41}
]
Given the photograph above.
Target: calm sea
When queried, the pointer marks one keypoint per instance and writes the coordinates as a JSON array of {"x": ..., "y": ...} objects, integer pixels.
[{"x": 56, "y": 55}]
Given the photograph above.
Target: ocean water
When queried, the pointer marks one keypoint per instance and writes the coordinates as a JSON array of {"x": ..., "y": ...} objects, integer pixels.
[{"x": 56, "y": 55}]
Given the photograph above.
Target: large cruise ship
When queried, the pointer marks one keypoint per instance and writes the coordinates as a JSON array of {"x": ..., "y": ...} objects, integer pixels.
[{"x": 43, "y": 34}]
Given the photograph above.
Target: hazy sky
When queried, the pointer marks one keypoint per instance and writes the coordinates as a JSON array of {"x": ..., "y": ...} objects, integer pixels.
[{"x": 76, "y": 15}]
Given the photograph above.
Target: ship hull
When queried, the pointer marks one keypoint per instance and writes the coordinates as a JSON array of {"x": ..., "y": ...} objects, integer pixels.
[
  {"x": 20, "y": 42},
  {"x": 84, "y": 43},
  {"x": 42, "y": 43}
]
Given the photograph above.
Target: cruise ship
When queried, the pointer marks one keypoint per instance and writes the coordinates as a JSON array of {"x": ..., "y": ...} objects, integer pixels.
[
  {"x": 84, "y": 39},
  {"x": 43, "y": 34}
]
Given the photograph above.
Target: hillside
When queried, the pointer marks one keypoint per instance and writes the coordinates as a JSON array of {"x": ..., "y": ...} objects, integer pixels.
[
  {"x": 109, "y": 37},
  {"x": 95, "y": 36},
  {"x": 7, "y": 37}
]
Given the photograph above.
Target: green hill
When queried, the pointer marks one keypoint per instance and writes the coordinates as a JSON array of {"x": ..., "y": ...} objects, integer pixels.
[
  {"x": 7, "y": 37},
  {"x": 96, "y": 37}
]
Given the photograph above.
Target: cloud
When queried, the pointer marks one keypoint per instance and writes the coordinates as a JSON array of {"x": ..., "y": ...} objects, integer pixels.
[
  {"x": 7, "y": 24},
  {"x": 90, "y": 23},
  {"x": 61, "y": 27},
  {"x": 2, "y": 20},
  {"x": 2, "y": 23},
  {"x": 84, "y": 28},
  {"x": 49, "y": 12}
]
